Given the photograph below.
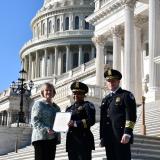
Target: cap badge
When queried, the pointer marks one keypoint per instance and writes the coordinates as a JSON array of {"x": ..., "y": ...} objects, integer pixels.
[
  {"x": 109, "y": 72},
  {"x": 77, "y": 85}
]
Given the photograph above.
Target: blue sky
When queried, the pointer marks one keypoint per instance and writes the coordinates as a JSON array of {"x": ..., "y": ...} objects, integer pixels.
[{"x": 15, "y": 30}]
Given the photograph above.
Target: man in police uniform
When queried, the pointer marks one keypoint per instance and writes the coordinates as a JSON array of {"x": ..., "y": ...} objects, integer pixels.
[
  {"x": 80, "y": 140},
  {"x": 117, "y": 118}
]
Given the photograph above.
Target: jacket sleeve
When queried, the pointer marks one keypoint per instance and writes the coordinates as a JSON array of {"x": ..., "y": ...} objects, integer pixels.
[
  {"x": 36, "y": 117},
  {"x": 89, "y": 121},
  {"x": 130, "y": 112}
]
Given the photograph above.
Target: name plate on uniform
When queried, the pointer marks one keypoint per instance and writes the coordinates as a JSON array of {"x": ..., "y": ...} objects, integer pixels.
[{"x": 61, "y": 121}]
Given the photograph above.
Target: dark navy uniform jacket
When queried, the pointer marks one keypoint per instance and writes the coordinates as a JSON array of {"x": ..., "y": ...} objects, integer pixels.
[
  {"x": 118, "y": 116},
  {"x": 80, "y": 136}
]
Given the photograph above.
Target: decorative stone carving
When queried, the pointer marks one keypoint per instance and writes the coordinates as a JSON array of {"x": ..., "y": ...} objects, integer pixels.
[
  {"x": 117, "y": 31},
  {"x": 140, "y": 20},
  {"x": 129, "y": 3},
  {"x": 101, "y": 40}
]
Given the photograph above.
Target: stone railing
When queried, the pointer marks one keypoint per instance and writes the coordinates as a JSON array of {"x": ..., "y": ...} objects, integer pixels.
[
  {"x": 57, "y": 35},
  {"x": 95, "y": 92}
]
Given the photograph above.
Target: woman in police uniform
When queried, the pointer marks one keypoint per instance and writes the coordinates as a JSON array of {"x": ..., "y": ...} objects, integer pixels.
[
  {"x": 117, "y": 118},
  {"x": 80, "y": 140}
]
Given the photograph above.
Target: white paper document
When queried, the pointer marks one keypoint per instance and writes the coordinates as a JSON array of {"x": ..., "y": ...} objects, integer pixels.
[{"x": 61, "y": 121}]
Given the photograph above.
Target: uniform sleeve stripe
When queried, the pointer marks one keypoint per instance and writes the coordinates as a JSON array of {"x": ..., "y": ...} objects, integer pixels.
[
  {"x": 130, "y": 124},
  {"x": 84, "y": 123}
]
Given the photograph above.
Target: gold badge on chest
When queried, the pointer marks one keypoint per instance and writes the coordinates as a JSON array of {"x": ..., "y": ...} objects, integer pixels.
[{"x": 118, "y": 100}]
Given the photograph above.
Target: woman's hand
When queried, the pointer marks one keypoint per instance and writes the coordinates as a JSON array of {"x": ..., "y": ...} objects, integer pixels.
[
  {"x": 50, "y": 131},
  {"x": 71, "y": 123}
]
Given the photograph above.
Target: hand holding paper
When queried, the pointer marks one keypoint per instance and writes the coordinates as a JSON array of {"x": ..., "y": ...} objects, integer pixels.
[{"x": 61, "y": 121}]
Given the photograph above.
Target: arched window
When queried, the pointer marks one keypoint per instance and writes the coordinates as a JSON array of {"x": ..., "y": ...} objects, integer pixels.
[
  {"x": 75, "y": 60},
  {"x": 86, "y": 57},
  {"x": 58, "y": 24},
  {"x": 76, "y": 22},
  {"x": 67, "y": 23},
  {"x": 50, "y": 27},
  {"x": 86, "y": 25}
]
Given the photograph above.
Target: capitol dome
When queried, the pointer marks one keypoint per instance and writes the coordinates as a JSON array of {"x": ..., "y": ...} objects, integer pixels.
[{"x": 61, "y": 40}]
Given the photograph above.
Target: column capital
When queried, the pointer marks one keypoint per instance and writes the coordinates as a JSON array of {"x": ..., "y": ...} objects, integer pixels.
[
  {"x": 117, "y": 31},
  {"x": 101, "y": 40},
  {"x": 129, "y": 3},
  {"x": 140, "y": 20}
]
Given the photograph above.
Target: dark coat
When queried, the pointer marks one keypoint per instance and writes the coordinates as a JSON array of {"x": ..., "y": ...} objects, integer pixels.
[
  {"x": 80, "y": 137},
  {"x": 118, "y": 115}
]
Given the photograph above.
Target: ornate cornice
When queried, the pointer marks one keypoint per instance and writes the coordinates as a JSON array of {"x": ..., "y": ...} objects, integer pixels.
[
  {"x": 106, "y": 11},
  {"x": 129, "y": 3}
]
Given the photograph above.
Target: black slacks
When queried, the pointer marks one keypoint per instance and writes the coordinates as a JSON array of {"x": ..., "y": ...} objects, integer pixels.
[
  {"x": 118, "y": 151},
  {"x": 45, "y": 149},
  {"x": 79, "y": 154}
]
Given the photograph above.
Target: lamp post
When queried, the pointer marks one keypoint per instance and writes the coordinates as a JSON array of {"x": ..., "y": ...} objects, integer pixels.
[{"x": 20, "y": 88}]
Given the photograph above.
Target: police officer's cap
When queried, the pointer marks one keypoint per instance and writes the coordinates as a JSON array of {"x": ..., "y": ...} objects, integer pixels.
[
  {"x": 112, "y": 74},
  {"x": 79, "y": 87}
]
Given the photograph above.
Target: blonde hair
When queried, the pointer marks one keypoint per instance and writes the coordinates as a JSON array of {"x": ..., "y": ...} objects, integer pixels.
[{"x": 49, "y": 85}]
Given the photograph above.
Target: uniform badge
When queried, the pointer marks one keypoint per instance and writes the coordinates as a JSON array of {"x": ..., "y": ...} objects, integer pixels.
[
  {"x": 77, "y": 85},
  {"x": 118, "y": 100},
  {"x": 80, "y": 108},
  {"x": 109, "y": 72}
]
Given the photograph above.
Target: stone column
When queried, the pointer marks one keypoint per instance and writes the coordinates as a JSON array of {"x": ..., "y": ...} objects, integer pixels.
[
  {"x": 68, "y": 59},
  {"x": 37, "y": 65},
  {"x": 129, "y": 69},
  {"x": 51, "y": 64},
  {"x": 80, "y": 56},
  {"x": 30, "y": 66},
  {"x": 92, "y": 52},
  {"x": 99, "y": 43},
  {"x": 154, "y": 49},
  {"x": 55, "y": 60},
  {"x": 117, "y": 31},
  {"x": 59, "y": 63},
  {"x": 139, "y": 21},
  {"x": 45, "y": 67},
  {"x": 71, "y": 22},
  {"x": 25, "y": 66}
]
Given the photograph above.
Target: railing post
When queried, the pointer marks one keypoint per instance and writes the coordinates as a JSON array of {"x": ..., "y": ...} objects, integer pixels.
[
  {"x": 16, "y": 144},
  {"x": 143, "y": 128}
]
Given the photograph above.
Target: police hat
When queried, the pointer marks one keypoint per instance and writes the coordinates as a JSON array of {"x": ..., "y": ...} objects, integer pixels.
[
  {"x": 79, "y": 87},
  {"x": 112, "y": 74}
]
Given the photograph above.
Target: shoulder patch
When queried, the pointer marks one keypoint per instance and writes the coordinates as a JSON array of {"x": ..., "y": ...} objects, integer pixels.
[{"x": 131, "y": 96}]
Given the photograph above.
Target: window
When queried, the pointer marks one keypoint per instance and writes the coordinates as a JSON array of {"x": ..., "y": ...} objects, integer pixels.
[
  {"x": 49, "y": 26},
  {"x": 76, "y": 22},
  {"x": 58, "y": 24},
  {"x": 67, "y": 23},
  {"x": 86, "y": 57},
  {"x": 75, "y": 60},
  {"x": 86, "y": 25}
]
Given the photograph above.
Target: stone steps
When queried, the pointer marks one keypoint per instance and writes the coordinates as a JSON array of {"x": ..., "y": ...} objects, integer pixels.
[{"x": 144, "y": 148}]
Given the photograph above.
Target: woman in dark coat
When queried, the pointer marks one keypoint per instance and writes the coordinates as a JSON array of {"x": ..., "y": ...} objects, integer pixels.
[{"x": 80, "y": 140}]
